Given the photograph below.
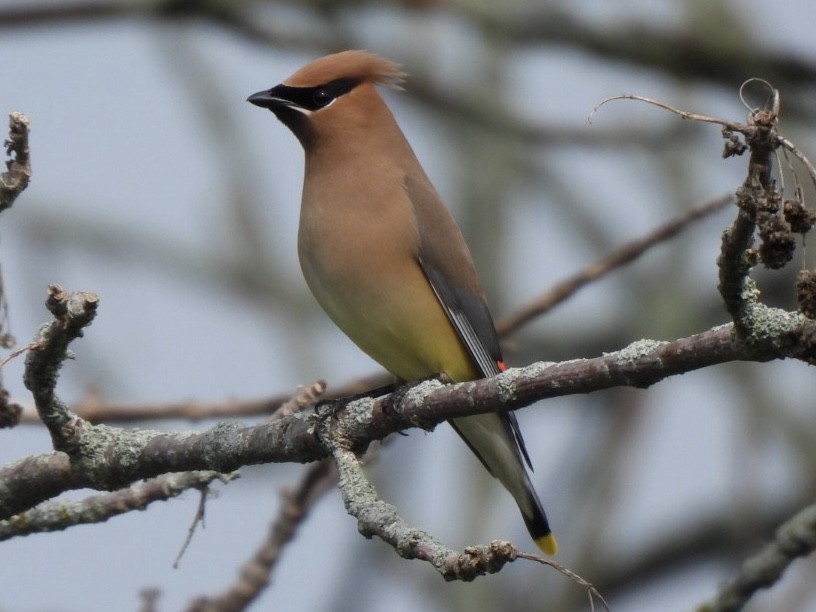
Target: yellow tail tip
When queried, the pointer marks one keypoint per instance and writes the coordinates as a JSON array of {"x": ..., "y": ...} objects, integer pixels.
[{"x": 547, "y": 544}]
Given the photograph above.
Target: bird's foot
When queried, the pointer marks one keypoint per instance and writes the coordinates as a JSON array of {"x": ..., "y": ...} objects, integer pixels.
[{"x": 402, "y": 389}]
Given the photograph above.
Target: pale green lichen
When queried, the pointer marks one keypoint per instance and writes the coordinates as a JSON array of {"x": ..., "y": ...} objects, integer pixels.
[
  {"x": 99, "y": 442},
  {"x": 506, "y": 387},
  {"x": 418, "y": 393},
  {"x": 359, "y": 411},
  {"x": 750, "y": 291},
  {"x": 637, "y": 350},
  {"x": 528, "y": 372},
  {"x": 512, "y": 375},
  {"x": 765, "y": 322},
  {"x": 416, "y": 396}
]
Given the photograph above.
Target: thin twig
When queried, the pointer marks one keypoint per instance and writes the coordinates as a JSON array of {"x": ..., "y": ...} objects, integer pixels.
[
  {"x": 93, "y": 410},
  {"x": 198, "y": 519},
  {"x": 681, "y": 113},
  {"x": 306, "y": 396},
  {"x": 789, "y": 146},
  {"x": 17, "y": 352},
  {"x": 620, "y": 257},
  {"x": 592, "y": 591},
  {"x": 59, "y": 515},
  {"x": 256, "y": 574}
]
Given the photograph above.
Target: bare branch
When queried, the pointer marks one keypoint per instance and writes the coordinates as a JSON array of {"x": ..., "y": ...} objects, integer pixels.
[
  {"x": 94, "y": 410},
  {"x": 305, "y": 397},
  {"x": 255, "y": 575},
  {"x": 59, "y": 515},
  {"x": 760, "y": 205},
  {"x": 795, "y": 538},
  {"x": 592, "y": 592},
  {"x": 712, "y": 537},
  {"x": 759, "y": 201},
  {"x": 72, "y": 312},
  {"x": 18, "y": 168},
  {"x": 734, "y": 262},
  {"x": 679, "y": 112},
  {"x": 620, "y": 257},
  {"x": 378, "y": 518},
  {"x": 111, "y": 458},
  {"x": 198, "y": 519}
]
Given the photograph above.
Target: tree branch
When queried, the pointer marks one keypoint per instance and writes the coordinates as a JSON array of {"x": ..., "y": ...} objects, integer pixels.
[
  {"x": 18, "y": 168},
  {"x": 795, "y": 538},
  {"x": 72, "y": 312},
  {"x": 375, "y": 517},
  {"x": 109, "y": 458},
  {"x": 758, "y": 201},
  {"x": 255, "y": 575},
  {"x": 59, "y": 515},
  {"x": 94, "y": 410},
  {"x": 620, "y": 257},
  {"x": 715, "y": 538}
]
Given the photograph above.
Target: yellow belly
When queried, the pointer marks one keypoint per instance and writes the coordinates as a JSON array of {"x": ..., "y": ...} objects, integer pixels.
[{"x": 401, "y": 325}]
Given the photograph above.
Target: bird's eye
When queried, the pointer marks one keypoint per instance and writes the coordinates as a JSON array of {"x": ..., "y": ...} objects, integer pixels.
[{"x": 322, "y": 97}]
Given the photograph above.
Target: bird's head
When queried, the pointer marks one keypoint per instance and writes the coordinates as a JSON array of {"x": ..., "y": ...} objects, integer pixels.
[{"x": 330, "y": 93}]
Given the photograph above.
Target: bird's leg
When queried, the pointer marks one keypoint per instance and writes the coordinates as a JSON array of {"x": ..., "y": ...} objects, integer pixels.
[{"x": 402, "y": 387}]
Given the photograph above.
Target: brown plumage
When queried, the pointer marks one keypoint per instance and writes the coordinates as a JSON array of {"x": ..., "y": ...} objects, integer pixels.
[
  {"x": 384, "y": 257},
  {"x": 357, "y": 65}
]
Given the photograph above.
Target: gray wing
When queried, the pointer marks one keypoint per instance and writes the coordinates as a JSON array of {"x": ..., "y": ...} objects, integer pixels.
[{"x": 463, "y": 301}]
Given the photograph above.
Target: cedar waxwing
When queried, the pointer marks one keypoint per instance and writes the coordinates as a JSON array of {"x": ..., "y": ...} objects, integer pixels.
[{"x": 384, "y": 257}]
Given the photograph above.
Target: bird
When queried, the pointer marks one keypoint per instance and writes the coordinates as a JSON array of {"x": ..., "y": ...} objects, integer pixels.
[{"x": 384, "y": 257}]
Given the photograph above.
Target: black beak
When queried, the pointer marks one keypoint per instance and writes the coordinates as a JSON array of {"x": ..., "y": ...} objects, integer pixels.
[{"x": 267, "y": 99}]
